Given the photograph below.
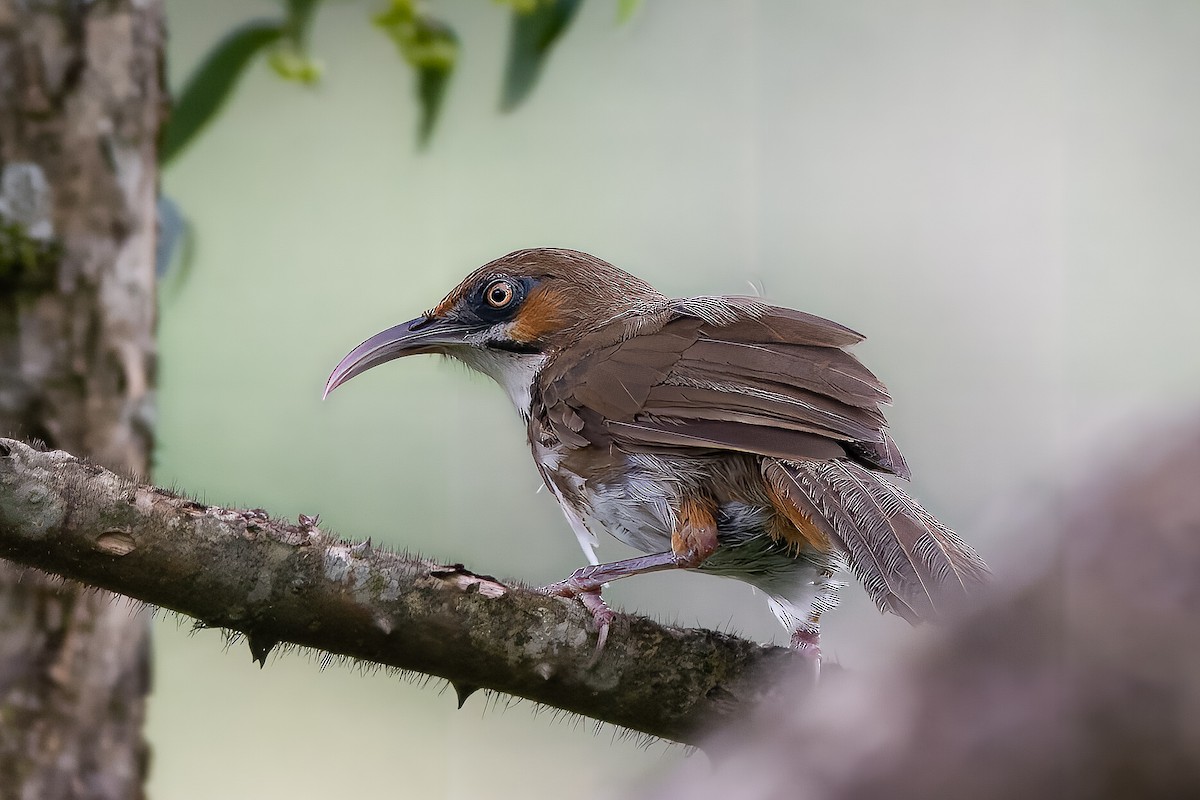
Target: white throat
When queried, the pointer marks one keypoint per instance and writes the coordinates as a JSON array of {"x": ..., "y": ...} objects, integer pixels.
[{"x": 514, "y": 372}]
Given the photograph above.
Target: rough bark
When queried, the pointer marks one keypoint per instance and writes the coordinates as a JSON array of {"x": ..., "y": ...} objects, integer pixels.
[
  {"x": 80, "y": 94},
  {"x": 277, "y": 582}
]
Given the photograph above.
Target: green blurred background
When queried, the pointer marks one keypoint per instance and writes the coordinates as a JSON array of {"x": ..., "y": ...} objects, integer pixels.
[{"x": 1005, "y": 197}]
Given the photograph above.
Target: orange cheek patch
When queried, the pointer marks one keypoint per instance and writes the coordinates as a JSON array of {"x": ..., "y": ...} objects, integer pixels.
[{"x": 543, "y": 313}]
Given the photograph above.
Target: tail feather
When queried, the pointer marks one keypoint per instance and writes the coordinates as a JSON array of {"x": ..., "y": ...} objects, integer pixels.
[{"x": 910, "y": 563}]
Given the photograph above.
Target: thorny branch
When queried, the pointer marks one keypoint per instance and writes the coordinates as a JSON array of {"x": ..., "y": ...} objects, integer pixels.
[{"x": 281, "y": 582}]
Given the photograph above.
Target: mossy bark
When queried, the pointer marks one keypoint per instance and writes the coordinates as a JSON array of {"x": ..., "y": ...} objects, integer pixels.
[{"x": 80, "y": 106}]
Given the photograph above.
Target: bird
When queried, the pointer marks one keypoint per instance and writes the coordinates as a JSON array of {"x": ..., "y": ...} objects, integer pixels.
[{"x": 719, "y": 434}]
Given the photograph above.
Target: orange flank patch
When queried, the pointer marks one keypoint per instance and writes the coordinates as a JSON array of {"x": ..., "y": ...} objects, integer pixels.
[
  {"x": 793, "y": 525},
  {"x": 695, "y": 535},
  {"x": 544, "y": 312}
]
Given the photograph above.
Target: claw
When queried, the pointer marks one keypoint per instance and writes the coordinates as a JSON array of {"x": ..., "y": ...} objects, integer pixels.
[
  {"x": 587, "y": 582},
  {"x": 583, "y": 586},
  {"x": 603, "y": 616}
]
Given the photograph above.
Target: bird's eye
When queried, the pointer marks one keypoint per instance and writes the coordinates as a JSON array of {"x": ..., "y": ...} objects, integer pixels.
[{"x": 499, "y": 293}]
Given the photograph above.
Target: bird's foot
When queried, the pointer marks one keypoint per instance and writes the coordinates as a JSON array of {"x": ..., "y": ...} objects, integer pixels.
[
  {"x": 586, "y": 583},
  {"x": 602, "y": 616},
  {"x": 807, "y": 642},
  {"x": 583, "y": 586}
]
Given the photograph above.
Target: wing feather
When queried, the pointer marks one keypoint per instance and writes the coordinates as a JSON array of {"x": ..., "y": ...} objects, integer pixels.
[
  {"x": 749, "y": 319},
  {"x": 910, "y": 563},
  {"x": 827, "y": 370},
  {"x": 721, "y": 435},
  {"x": 723, "y": 373}
]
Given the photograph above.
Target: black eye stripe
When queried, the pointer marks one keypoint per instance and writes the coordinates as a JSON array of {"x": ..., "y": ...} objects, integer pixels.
[
  {"x": 515, "y": 347},
  {"x": 498, "y": 298}
]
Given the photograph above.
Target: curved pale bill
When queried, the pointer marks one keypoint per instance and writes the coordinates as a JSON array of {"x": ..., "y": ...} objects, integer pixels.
[{"x": 420, "y": 335}]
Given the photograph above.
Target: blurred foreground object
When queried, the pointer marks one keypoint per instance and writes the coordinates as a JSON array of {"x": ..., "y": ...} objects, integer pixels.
[{"x": 1084, "y": 683}]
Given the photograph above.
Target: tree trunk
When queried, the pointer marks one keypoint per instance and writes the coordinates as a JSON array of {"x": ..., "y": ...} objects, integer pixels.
[{"x": 80, "y": 106}]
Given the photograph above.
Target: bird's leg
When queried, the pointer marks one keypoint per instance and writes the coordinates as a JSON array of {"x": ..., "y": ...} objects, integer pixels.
[
  {"x": 693, "y": 540},
  {"x": 586, "y": 583},
  {"x": 806, "y": 637},
  {"x": 593, "y": 577},
  {"x": 806, "y": 640}
]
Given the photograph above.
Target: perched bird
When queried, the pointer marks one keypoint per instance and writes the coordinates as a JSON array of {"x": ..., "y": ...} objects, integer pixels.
[{"x": 720, "y": 434}]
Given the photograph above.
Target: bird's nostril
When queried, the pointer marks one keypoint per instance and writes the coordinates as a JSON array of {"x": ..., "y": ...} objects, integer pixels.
[{"x": 422, "y": 323}]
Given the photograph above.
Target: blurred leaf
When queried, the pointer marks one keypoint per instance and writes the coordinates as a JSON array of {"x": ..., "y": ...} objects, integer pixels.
[
  {"x": 212, "y": 82},
  {"x": 430, "y": 46},
  {"x": 521, "y": 6},
  {"x": 300, "y": 14},
  {"x": 626, "y": 9},
  {"x": 290, "y": 58},
  {"x": 431, "y": 89},
  {"x": 294, "y": 65},
  {"x": 533, "y": 35}
]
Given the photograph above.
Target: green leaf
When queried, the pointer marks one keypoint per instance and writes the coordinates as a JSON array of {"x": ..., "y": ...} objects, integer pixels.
[
  {"x": 212, "y": 83},
  {"x": 431, "y": 47},
  {"x": 533, "y": 34},
  {"x": 291, "y": 64},
  {"x": 299, "y": 20},
  {"x": 431, "y": 89},
  {"x": 290, "y": 57},
  {"x": 626, "y": 9},
  {"x": 520, "y": 6}
]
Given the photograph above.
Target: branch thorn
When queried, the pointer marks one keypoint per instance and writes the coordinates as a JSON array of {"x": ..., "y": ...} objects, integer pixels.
[
  {"x": 462, "y": 691},
  {"x": 260, "y": 647}
]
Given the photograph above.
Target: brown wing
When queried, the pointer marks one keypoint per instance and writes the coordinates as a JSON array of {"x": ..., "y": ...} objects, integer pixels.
[{"x": 726, "y": 374}]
